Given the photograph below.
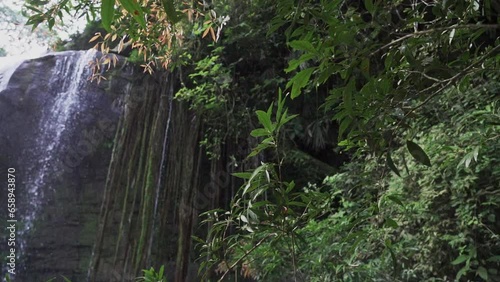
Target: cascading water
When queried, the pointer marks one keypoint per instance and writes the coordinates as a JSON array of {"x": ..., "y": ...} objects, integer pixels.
[
  {"x": 71, "y": 73},
  {"x": 56, "y": 129}
]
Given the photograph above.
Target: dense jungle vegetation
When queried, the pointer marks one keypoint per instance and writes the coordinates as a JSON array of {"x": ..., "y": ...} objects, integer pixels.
[{"x": 368, "y": 130}]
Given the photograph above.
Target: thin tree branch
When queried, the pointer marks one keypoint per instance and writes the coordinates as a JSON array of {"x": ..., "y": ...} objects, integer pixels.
[
  {"x": 414, "y": 34},
  {"x": 448, "y": 82},
  {"x": 245, "y": 255}
]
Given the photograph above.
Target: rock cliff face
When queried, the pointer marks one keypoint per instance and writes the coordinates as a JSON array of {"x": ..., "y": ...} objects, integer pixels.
[
  {"x": 56, "y": 131},
  {"x": 109, "y": 177}
]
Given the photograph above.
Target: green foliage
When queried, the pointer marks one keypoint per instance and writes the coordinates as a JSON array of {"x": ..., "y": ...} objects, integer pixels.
[
  {"x": 375, "y": 60},
  {"x": 210, "y": 79},
  {"x": 391, "y": 93},
  {"x": 107, "y": 13},
  {"x": 266, "y": 207},
  {"x": 80, "y": 41},
  {"x": 437, "y": 224},
  {"x": 152, "y": 276},
  {"x": 226, "y": 82}
]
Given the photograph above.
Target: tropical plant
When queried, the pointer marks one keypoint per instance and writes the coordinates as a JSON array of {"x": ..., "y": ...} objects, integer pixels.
[{"x": 150, "y": 275}]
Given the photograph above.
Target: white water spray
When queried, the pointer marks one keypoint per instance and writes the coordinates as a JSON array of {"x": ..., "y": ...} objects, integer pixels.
[{"x": 73, "y": 71}]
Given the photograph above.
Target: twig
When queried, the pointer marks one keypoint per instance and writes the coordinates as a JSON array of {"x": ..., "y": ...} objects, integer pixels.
[
  {"x": 427, "y": 76},
  {"x": 417, "y": 33},
  {"x": 244, "y": 256},
  {"x": 448, "y": 82}
]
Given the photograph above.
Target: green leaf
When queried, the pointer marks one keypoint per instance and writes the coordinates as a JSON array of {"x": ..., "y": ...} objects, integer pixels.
[
  {"x": 297, "y": 204},
  {"x": 389, "y": 222},
  {"x": 494, "y": 259},
  {"x": 388, "y": 245},
  {"x": 483, "y": 273},
  {"x": 107, "y": 13},
  {"x": 255, "y": 173},
  {"x": 391, "y": 165},
  {"x": 259, "y": 132},
  {"x": 265, "y": 120},
  {"x": 51, "y": 22},
  {"x": 270, "y": 110},
  {"x": 281, "y": 103},
  {"x": 293, "y": 64},
  {"x": 395, "y": 199},
  {"x": 460, "y": 259},
  {"x": 462, "y": 272},
  {"x": 172, "y": 14},
  {"x": 162, "y": 270},
  {"x": 369, "y": 6},
  {"x": 302, "y": 45},
  {"x": 287, "y": 118},
  {"x": 243, "y": 175},
  {"x": 299, "y": 81},
  {"x": 343, "y": 126},
  {"x": 347, "y": 96},
  {"x": 135, "y": 10},
  {"x": 418, "y": 153}
]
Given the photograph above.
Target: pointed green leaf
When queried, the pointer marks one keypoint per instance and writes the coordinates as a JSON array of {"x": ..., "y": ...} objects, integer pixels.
[
  {"x": 297, "y": 204},
  {"x": 107, "y": 13},
  {"x": 369, "y": 6},
  {"x": 293, "y": 64},
  {"x": 172, "y": 14},
  {"x": 460, "y": 259},
  {"x": 418, "y": 153},
  {"x": 162, "y": 270},
  {"x": 270, "y": 110},
  {"x": 395, "y": 199},
  {"x": 51, "y": 22},
  {"x": 135, "y": 10},
  {"x": 483, "y": 273},
  {"x": 264, "y": 119},
  {"x": 243, "y": 175},
  {"x": 287, "y": 118},
  {"x": 347, "y": 94},
  {"x": 259, "y": 132},
  {"x": 299, "y": 81},
  {"x": 391, "y": 165},
  {"x": 281, "y": 102},
  {"x": 244, "y": 218},
  {"x": 255, "y": 173},
  {"x": 343, "y": 126},
  {"x": 389, "y": 222},
  {"x": 302, "y": 45},
  {"x": 494, "y": 259}
]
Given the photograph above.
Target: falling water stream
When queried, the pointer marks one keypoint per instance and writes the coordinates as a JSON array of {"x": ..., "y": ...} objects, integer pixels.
[
  {"x": 57, "y": 129},
  {"x": 63, "y": 100}
]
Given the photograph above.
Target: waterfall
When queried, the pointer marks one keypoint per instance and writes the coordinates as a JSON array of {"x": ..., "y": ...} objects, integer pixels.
[
  {"x": 73, "y": 72},
  {"x": 57, "y": 131}
]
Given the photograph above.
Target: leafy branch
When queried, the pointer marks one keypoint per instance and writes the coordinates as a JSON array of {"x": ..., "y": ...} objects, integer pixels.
[{"x": 433, "y": 30}]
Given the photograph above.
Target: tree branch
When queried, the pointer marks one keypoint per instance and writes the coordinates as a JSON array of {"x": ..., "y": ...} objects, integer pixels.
[
  {"x": 448, "y": 82},
  {"x": 245, "y": 255},
  {"x": 414, "y": 34}
]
